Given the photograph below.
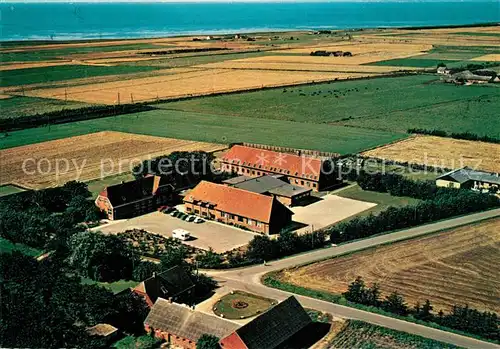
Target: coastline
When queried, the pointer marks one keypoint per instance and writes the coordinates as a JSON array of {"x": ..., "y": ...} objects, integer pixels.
[{"x": 243, "y": 31}]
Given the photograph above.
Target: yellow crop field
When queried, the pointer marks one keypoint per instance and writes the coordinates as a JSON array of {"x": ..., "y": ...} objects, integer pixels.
[
  {"x": 490, "y": 57},
  {"x": 362, "y": 48},
  {"x": 87, "y": 157},
  {"x": 361, "y": 58},
  {"x": 200, "y": 82},
  {"x": 342, "y": 68},
  {"x": 441, "y": 152}
]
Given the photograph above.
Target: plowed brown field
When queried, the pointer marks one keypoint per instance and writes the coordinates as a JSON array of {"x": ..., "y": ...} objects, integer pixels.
[
  {"x": 86, "y": 157},
  {"x": 459, "y": 266},
  {"x": 442, "y": 152}
]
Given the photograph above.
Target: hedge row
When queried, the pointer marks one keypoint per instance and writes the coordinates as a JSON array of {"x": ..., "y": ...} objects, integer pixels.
[
  {"x": 70, "y": 115},
  {"x": 464, "y": 135}
]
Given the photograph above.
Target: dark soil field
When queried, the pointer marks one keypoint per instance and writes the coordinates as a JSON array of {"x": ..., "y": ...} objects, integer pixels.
[{"x": 459, "y": 266}]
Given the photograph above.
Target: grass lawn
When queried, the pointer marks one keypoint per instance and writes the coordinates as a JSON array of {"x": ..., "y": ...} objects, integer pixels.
[
  {"x": 251, "y": 305},
  {"x": 95, "y": 186},
  {"x": 396, "y": 103},
  {"x": 215, "y": 128},
  {"x": 142, "y": 342},
  {"x": 9, "y": 189},
  {"x": 114, "y": 287},
  {"x": 20, "y": 77},
  {"x": 19, "y": 106},
  {"x": 383, "y": 200},
  {"x": 7, "y": 246}
]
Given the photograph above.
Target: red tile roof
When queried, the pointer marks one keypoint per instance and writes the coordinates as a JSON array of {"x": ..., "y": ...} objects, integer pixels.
[
  {"x": 276, "y": 162},
  {"x": 234, "y": 201}
]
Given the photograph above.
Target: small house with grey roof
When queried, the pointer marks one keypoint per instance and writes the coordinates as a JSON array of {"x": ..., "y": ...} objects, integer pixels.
[{"x": 470, "y": 179}]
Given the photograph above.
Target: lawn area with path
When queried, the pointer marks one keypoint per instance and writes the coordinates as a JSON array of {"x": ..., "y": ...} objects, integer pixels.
[{"x": 241, "y": 305}]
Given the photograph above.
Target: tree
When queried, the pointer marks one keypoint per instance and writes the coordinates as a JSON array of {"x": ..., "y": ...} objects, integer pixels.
[
  {"x": 101, "y": 257},
  {"x": 174, "y": 255},
  {"x": 208, "y": 341},
  {"x": 424, "y": 313},
  {"x": 209, "y": 259},
  {"x": 144, "y": 270},
  {"x": 288, "y": 243},
  {"x": 356, "y": 291},
  {"x": 394, "y": 303},
  {"x": 261, "y": 248}
]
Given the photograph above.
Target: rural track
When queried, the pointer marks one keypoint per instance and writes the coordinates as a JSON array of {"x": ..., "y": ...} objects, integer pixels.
[{"x": 249, "y": 279}]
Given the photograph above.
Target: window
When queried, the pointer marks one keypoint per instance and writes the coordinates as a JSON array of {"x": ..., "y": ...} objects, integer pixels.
[
  {"x": 315, "y": 185},
  {"x": 196, "y": 211},
  {"x": 302, "y": 182},
  {"x": 308, "y": 184},
  {"x": 253, "y": 172},
  {"x": 223, "y": 214},
  {"x": 258, "y": 224},
  {"x": 188, "y": 209},
  {"x": 250, "y": 222},
  {"x": 203, "y": 213},
  {"x": 240, "y": 219}
]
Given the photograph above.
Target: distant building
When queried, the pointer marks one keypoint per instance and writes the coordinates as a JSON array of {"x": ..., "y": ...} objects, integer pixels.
[
  {"x": 443, "y": 70},
  {"x": 134, "y": 198},
  {"x": 238, "y": 207},
  {"x": 182, "y": 326},
  {"x": 470, "y": 179},
  {"x": 174, "y": 284},
  {"x": 271, "y": 329},
  {"x": 304, "y": 171},
  {"x": 286, "y": 193}
]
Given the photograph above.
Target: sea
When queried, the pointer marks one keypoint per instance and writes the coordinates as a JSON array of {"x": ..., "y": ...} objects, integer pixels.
[{"x": 73, "y": 21}]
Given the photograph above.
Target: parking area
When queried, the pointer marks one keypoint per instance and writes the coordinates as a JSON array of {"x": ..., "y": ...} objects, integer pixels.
[
  {"x": 327, "y": 210},
  {"x": 219, "y": 237}
]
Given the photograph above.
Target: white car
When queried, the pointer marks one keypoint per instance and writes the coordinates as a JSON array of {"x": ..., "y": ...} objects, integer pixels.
[
  {"x": 181, "y": 234},
  {"x": 198, "y": 220}
]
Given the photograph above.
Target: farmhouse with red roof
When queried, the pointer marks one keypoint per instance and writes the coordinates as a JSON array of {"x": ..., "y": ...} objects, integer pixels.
[{"x": 304, "y": 171}]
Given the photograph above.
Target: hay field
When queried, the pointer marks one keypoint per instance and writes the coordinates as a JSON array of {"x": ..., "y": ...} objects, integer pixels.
[
  {"x": 201, "y": 82},
  {"x": 361, "y": 48},
  {"x": 442, "y": 152},
  {"x": 84, "y": 157},
  {"x": 456, "y": 266},
  {"x": 327, "y": 66},
  {"x": 363, "y": 58},
  {"x": 491, "y": 57}
]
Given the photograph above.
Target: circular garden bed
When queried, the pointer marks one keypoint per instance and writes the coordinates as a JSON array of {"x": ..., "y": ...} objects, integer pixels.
[{"x": 241, "y": 305}]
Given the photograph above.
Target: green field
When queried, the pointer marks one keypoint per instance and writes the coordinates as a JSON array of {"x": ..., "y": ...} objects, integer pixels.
[
  {"x": 19, "y": 77},
  {"x": 477, "y": 34},
  {"x": 217, "y": 129},
  {"x": 394, "y": 104},
  {"x": 19, "y": 106},
  {"x": 9, "y": 189},
  {"x": 7, "y": 246},
  {"x": 417, "y": 62},
  {"x": 383, "y": 200},
  {"x": 48, "y": 54},
  {"x": 362, "y": 335},
  {"x": 114, "y": 287},
  {"x": 142, "y": 342}
]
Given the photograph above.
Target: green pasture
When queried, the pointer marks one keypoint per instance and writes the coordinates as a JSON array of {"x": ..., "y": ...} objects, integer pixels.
[
  {"x": 47, "y": 54},
  {"x": 390, "y": 103},
  {"x": 6, "y": 246},
  {"x": 19, "y": 77},
  {"x": 95, "y": 186},
  {"x": 115, "y": 287},
  {"x": 9, "y": 189},
  {"x": 19, "y": 106},
  {"x": 477, "y": 34},
  {"x": 215, "y": 128}
]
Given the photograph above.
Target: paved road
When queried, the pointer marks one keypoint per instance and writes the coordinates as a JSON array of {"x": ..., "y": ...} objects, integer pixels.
[{"x": 249, "y": 279}]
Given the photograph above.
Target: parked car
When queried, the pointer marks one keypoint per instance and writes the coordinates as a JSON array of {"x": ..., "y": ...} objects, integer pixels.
[
  {"x": 198, "y": 220},
  {"x": 175, "y": 213},
  {"x": 181, "y": 234},
  {"x": 166, "y": 209},
  {"x": 190, "y": 219}
]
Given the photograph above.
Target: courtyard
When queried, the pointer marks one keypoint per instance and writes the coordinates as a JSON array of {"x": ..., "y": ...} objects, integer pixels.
[
  {"x": 219, "y": 237},
  {"x": 327, "y": 210}
]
